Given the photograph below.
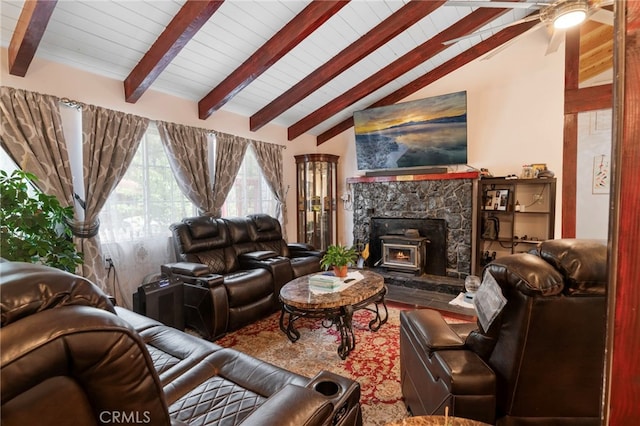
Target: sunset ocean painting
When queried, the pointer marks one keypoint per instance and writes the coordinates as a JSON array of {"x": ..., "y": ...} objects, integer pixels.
[{"x": 422, "y": 133}]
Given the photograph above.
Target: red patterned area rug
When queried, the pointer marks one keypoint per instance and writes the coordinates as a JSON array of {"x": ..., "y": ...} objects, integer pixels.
[{"x": 374, "y": 363}]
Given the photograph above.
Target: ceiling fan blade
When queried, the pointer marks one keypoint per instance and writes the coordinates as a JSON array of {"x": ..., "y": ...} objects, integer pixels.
[
  {"x": 503, "y": 46},
  {"x": 603, "y": 16},
  {"x": 497, "y": 4},
  {"x": 554, "y": 42},
  {"x": 498, "y": 28}
]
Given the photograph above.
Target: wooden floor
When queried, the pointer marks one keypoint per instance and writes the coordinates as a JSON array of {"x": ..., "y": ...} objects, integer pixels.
[{"x": 418, "y": 298}]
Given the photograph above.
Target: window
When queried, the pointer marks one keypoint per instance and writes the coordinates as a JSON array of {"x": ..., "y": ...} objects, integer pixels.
[
  {"x": 250, "y": 192},
  {"x": 147, "y": 200}
]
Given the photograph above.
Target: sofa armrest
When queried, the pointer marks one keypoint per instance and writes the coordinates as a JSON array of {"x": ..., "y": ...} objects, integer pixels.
[
  {"x": 257, "y": 255},
  {"x": 429, "y": 327},
  {"x": 292, "y": 405},
  {"x": 185, "y": 268},
  {"x": 278, "y": 266},
  {"x": 192, "y": 273},
  {"x": 303, "y": 249},
  {"x": 300, "y": 246}
]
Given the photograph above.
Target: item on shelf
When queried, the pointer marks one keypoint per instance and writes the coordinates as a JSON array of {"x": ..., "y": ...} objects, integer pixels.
[
  {"x": 527, "y": 172},
  {"x": 485, "y": 173},
  {"x": 546, "y": 173},
  {"x": 491, "y": 228}
]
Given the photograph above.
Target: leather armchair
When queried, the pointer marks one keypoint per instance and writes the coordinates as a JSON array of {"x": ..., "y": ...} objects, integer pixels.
[{"x": 540, "y": 361}]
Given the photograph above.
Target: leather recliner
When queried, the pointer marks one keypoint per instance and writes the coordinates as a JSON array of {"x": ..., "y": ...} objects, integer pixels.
[
  {"x": 233, "y": 270},
  {"x": 541, "y": 359},
  {"x": 208, "y": 261}
]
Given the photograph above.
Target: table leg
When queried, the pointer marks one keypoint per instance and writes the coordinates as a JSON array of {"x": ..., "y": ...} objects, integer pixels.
[
  {"x": 378, "y": 320},
  {"x": 344, "y": 324},
  {"x": 290, "y": 330}
]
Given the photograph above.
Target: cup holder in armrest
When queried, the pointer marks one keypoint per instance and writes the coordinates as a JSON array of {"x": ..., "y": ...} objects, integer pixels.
[
  {"x": 327, "y": 388},
  {"x": 343, "y": 393}
]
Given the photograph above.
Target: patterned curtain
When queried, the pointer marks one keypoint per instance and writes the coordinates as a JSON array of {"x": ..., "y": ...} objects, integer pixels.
[
  {"x": 187, "y": 150},
  {"x": 270, "y": 159},
  {"x": 110, "y": 140},
  {"x": 230, "y": 151},
  {"x": 31, "y": 133}
]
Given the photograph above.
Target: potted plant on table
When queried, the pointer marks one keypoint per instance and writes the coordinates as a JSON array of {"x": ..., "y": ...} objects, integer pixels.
[
  {"x": 34, "y": 226},
  {"x": 339, "y": 257}
]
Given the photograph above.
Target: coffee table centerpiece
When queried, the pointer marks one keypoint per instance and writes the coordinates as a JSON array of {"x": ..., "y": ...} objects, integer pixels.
[
  {"x": 339, "y": 258},
  {"x": 334, "y": 304}
]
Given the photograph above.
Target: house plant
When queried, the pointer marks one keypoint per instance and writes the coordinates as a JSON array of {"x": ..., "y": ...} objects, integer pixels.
[
  {"x": 33, "y": 225},
  {"x": 339, "y": 257}
]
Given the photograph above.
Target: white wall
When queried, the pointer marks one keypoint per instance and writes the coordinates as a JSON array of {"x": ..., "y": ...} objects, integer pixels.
[
  {"x": 594, "y": 142},
  {"x": 515, "y": 114}
]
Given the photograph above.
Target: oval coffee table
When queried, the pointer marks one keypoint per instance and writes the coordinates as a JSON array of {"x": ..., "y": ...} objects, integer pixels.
[{"x": 335, "y": 308}]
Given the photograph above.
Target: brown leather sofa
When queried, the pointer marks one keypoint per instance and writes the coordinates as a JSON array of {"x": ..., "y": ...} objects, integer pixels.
[
  {"x": 540, "y": 362},
  {"x": 69, "y": 357},
  {"x": 234, "y": 269}
]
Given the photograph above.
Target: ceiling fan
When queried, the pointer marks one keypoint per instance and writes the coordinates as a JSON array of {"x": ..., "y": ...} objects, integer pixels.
[{"x": 556, "y": 16}]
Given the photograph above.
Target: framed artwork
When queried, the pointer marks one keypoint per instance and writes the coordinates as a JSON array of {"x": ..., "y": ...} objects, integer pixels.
[
  {"x": 497, "y": 199},
  {"x": 601, "y": 174},
  {"x": 537, "y": 168}
]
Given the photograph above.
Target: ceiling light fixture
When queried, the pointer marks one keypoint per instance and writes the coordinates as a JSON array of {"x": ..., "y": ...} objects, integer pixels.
[{"x": 567, "y": 14}]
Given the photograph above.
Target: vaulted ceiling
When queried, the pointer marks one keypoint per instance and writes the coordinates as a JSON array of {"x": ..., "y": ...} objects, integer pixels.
[{"x": 304, "y": 65}]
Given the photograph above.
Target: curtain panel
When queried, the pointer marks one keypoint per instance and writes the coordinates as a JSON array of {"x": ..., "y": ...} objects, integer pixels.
[
  {"x": 230, "y": 152},
  {"x": 110, "y": 140},
  {"x": 188, "y": 152},
  {"x": 31, "y": 133},
  {"x": 270, "y": 160}
]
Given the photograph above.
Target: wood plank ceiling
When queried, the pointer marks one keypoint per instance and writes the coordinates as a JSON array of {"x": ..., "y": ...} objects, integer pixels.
[{"x": 305, "y": 65}]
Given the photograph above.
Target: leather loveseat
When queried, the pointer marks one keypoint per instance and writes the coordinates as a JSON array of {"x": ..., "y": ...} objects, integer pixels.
[
  {"x": 234, "y": 268},
  {"x": 69, "y": 357},
  {"x": 539, "y": 362}
]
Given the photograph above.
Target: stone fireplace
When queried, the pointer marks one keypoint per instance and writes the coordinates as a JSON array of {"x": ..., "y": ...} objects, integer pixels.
[{"x": 439, "y": 206}]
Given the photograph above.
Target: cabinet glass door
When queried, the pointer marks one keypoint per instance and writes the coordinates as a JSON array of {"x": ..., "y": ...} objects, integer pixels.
[{"x": 317, "y": 188}]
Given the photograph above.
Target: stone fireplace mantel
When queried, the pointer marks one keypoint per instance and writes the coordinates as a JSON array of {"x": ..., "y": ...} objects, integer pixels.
[
  {"x": 416, "y": 177},
  {"x": 447, "y": 196}
]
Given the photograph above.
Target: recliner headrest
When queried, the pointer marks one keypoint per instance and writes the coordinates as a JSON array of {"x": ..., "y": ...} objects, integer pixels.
[
  {"x": 202, "y": 227},
  {"x": 527, "y": 273},
  {"x": 263, "y": 222},
  {"x": 583, "y": 263},
  {"x": 28, "y": 288}
]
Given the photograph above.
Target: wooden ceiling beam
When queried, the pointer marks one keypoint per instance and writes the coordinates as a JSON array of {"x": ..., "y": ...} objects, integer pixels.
[
  {"x": 448, "y": 67},
  {"x": 402, "y": 19},
  {"x": 296, "y": 30},
  {"x": 32, "y": 23},
  {"x": 588, "y": 99},
  {"x": 187, "y": 22},
  {"x": 407, "y": 62}
]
